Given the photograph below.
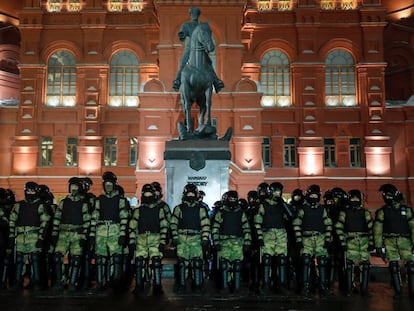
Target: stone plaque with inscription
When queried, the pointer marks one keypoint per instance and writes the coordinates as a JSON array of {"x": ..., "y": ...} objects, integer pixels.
[{"x": 201, "y": 162}]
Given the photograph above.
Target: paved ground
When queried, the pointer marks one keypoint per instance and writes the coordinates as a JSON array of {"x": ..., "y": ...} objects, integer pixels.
[{"x": 26, "y": 300}]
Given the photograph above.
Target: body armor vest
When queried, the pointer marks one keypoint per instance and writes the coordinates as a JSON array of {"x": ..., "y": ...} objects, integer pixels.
[
  {"x": 313, "y": 219},
  {"x": 273, "y": 217},
  {"x": 355, "y": 220},
  {"x": 394, "y": 222},
  {"x": 72, "y": 212},
  {"x": 149, "y": 219},
  {"x": 29, "y": 214},
  {"x": 109, "y": 208},
  {"x": 190, "y": 218},
  {"x": 232, "y": 223}
]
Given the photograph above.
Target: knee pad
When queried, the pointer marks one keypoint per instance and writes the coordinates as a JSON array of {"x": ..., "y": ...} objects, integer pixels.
[
  {"x": 394, "y": 266},
  {"x": 281, "y": 260},
  {"x": 57, "y": 258},
  {"x": 410, "y": 267},
  {"x": 76, "y": 261},
  {"x": 197, "y": 263},
  {"x": 223, "y": 264},
  {"x": 237, "y": 266},
  {"x": 306, "y": 259},
  {"x": 139, "y": 262},
  {"x": 19, "y": 258},
  {"x": 117, "y": 259},
  {"x": 156, "y": 261}
]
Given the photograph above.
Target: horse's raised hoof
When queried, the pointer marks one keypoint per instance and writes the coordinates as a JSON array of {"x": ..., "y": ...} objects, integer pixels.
[
  {"x": 176, "y": 85},
  {"x": 218, "y": 85}
]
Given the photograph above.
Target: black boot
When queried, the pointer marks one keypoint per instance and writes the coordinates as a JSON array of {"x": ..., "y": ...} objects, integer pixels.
[
  {"x": 266, "y": 264},
  {"x": 395, "y": 277},
  {"x": 58, "y": 263},
  {"x": 116, "y": 277},
  {"x": 36, "y": 277},
  {"x": 157, "y": 270},
  {"x": 349, "y": 277},
  {"x": 237, "y": 270},
  {"x": 365, "y": 267},
  {"x": 100, "y": 268},
  {"x": 224, "y": 283},
  {"x": 181, "y": 281},
  {"x": 139, "y": 280},
  {"x": 18, "y": 278},
  {"x": 306, "y": 261},
  {"x": 75, "y": 263},
  {"x": 198, "y": 274},
  {"x": 5, "y": 272},
  {"x": 281, "y": 264},
  {"x": 410, "y": 275},
  {"x": 323, "y": 277}
]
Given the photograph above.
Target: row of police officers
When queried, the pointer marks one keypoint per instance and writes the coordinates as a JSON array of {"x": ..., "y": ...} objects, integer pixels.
[{"x": 263, "y": 240}]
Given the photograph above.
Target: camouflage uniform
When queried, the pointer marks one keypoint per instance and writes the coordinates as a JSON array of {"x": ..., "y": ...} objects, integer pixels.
[
  {"x": 394, "y": 230},
  {"x": 313, "y": 231},
  {"x": 4, "y": 238},
  {"x": 28, "y": 221},
  {"x": 354, "y": 230},
  {"x": 270, "y": 223},
  {"x": 109, "y": 231},
  {"x": 148, "y": 233},
  {"x": 70, "y": 228},
  {"x": 231, "y": 236},
  {"x": 190, "y": 229}
]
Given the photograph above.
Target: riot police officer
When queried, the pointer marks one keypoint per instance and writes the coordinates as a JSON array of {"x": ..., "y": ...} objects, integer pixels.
[
  {"x": 394, "y": 230},
  {"x": 109, "y": 232},
  {"x": 231, "y": 238},
  {"x": 148, "y": 235},
  {"x": 69, "y": 235},
  {"x": 270, "y": 224},
  {"x": 27, "y": 224},
  {"x": 190, "y": 229},
  {"x": 313, "y": 231},
  {"x": 354, "y": 229}
]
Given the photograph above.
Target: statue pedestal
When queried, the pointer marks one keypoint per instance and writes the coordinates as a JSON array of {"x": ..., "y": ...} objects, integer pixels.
[{"x": 203, "y": 163}]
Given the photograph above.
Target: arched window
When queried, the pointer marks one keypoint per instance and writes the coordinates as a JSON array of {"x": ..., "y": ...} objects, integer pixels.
[
  {"x": 61, "y": 80},
  {"x": 340, "y": 79},
  {"x": 123, "y": 80},
  {"x": 275, "y": 79}
]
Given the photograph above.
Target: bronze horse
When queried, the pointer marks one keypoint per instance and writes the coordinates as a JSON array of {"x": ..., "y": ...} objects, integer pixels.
[{"x": 197, "y": 80}]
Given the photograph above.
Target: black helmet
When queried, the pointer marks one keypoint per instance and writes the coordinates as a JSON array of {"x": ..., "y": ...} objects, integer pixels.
[
  {"x": 276, "y": 185},
  {"x": 313, "y": 189},
  {"x": 3, "y": 195},
  {"x": 31, "y": 185},
  {"x": 190, "y": 188},
  {"x": 355, "y": 193},
  {"x": 264, "y": 191},
  {"x": 109, "y": 176},
  {"x": 296, "y": 193},
  {"x": 158, "y": 189},
  {"x": 339, "y": 193},
  {"x": 75, "y": 181},
  {"x": 45, "y": 194},
  {"x": 120, "y": 190},
  {"x": 232, "y": 198},
  {"x": 252, "y": 195},
  {"x": 390, "y": 193},
  {"x": 243, "y": 204},
  {"x": 328, "y": 196}
]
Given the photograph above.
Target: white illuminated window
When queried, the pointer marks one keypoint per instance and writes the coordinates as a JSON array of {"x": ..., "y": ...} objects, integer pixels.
[
  {"x": 54, "y": 5},
  {"x": 71, "y": 151},
  {"x": 327, "y": 4},
  {"x": 275, "y": 79},
  {"x": 111, "y": 151},
  {"x": 340, "y": 79},
  {"x": 46, "y": 151},
  {"x": 123, "y": 80},
  {"x": 61, "y": 80}
]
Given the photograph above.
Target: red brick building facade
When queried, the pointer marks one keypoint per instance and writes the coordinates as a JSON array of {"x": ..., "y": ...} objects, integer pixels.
[{"x": 317, "y": 91}]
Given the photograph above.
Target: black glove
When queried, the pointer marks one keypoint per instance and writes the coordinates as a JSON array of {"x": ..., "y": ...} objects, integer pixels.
[
  {"x": 379, "y": 252},
  {"x": 371, "y": 248},
  {"x": 39, "y": 244},
  {"x": 205, "y": 247},
  {"x": 161, "y": 248},
  {"x": 299, "y": 245},
  {"x": 217, "y": 247},
  {"x": 122, "y": 240},
  {"x": 131, "y": 248},
  {"x": 10, "y": 245},
  {"x": 246, "y": 248},
  {"x": 91, "y": 241},
  {"x": 260, "y": 242},
  {"x": 53, "y": 240},
  {"x": 82, "y": 243}
]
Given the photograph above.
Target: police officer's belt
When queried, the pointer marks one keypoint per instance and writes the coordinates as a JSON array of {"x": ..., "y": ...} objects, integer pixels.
[
  {"x": 396, "y": 235},
  {"x": 356, "y": 235},
  {"x": 107, "y": 222},
  {"x": 20, "y": 231},
  {"x": 71, "y": 228},
  {"x": 188, "y": 232},
  {"x": 308, "y": 234}
]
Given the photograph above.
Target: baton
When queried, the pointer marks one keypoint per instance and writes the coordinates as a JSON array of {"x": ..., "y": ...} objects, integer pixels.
[
  {"x": 260, "y": 254},
  {"x": 345, "y": 261}
]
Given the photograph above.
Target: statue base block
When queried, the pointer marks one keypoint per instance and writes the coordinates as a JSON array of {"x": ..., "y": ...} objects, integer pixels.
[{"x": 204, "y": 163}]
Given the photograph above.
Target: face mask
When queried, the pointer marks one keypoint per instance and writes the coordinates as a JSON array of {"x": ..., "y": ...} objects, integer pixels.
[
  {"x": 190, "y": 199},
  {"x": 30, "y": 196},
  {"x": 312, "y": 201},
  {"x": 354, "y": 204},
  {"x": 147, "y": 200}
]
